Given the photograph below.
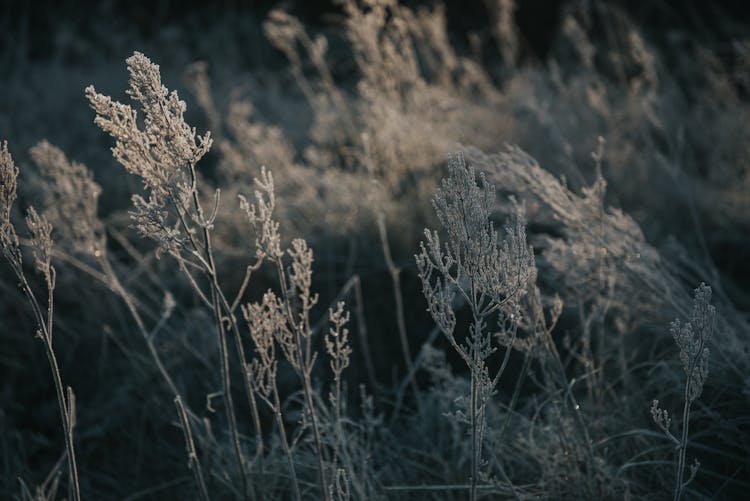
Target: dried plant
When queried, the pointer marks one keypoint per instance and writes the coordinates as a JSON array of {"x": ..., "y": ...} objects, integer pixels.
[
  {"x": 286, "y": 321},
  {"x": 339, "y": 350},
  {"x": 71, "y": 197},
  {"x": 8, "y": 186},
  {"x": 41, "y": 246},
  {"x": 486, "y": 272},
  {"x": 264, "y": 321},
  {"x": 362, "y": 131},
  {"x": 692, "y": 339},
  {"x": 164, "y": 154},
  {"x": 193, "y": 461}
]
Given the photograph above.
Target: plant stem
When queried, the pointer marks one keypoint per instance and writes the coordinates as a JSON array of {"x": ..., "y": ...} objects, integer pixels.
[
  {"x": 120, "y": 291},
  {"x": 394, "y": 272},
  {"x": 679, "y": 485},
  {"x": 195, "y": 464},
  {"x": 304, "y": 369},
  {"x": 285, "y": 442},
  {"x": 476, "y": 437},
  {"x": 316, "y": 434},
  {"x": 228, "y": 401},
  {"x": 45, "y": 328}
]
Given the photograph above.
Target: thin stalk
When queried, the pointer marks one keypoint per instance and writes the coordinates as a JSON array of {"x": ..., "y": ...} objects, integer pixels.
[
  {"x": 218, "y": 301},
  {"x": 228, "y": 401},
  {"x": 475, "y": 438},
  {"x": 362, "y": 331},
  {"x": 304, "y": 372},
  {"x": 211, "y": 270},
  {"x": 573, "y": 405},
  {"x": 339, "y": 430},
  {"x": 245, "y": 282},
  {"x": 64, "y": 408},
  {"x": 514, "y": 398},
  {"x": 248, "y": 383},
  {"x": 120, "y": 291},
  {"x": 195, "y": 465},
  {"x": 474, "y": 465},
  {"x": 679, "y": 486},
  {"x": 285, "y": 442},
  {"x": 223, "y": 351},
  {"x": 316, "y": 434},
  {"x": 395, "y": 272}
]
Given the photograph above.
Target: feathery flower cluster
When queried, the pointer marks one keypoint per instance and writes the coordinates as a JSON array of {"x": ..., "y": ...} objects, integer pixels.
[
  {"x": 71, "y": 197},
  {"x": 488, "y": 273},
  {"x": 8, "y": 185},
  {"x": 41, "y": 241},
  {"x": 692, "y": 339},
  {"x": 337, "y": 340},
  {"x": 474, "y": 261},
  {"x": 163, "y": 153},
  {"x": 266, "y": 230}
]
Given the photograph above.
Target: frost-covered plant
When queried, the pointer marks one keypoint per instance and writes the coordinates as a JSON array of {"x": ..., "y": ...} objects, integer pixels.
[
  {"x": 40, "y": 232},
  {"x": 295, "y": 335},
  {"x": 487, "y": 272},
  {"x": 285, "y": 321},
  {"x": 264, "y": 320},
  {"x": 692, "y": 339},
  {"x": 339, "y": 351},
  {"x": 163, "y": 152},
  {"x": 71, "y": 195}
]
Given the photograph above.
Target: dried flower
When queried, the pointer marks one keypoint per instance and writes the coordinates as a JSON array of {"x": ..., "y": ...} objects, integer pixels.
[
  {"x": 71, "y": 198},
  {"x": 267, "y": 239},
  {"x": 41, "y": 240},
  {"x": 337, "y": 340},
  {"x": 8, "y": 183},
  {"x": 163, "y": 152},
  {"x": 692, "y": 339}
]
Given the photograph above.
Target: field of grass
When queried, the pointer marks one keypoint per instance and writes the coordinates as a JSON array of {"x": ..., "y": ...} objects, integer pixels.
[{"x": 388, "y": 252}]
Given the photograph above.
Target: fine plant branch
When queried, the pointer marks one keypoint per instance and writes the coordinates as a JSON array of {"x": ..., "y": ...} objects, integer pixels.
[
  {"x": 42, "y": 248},
  {"x": 182, "y": 263},
  {"x": 490, "y": 275},
  {"x": 401, "y": 390},
  {"x": 262, "y": 320},
  {"x": 66, "y": 407},
  {"x": 193, "y": 461},
  {"x": 169, "y": 173},
  {"x": 243, "y": 287},
  {"x": 304, "y": 363},
  {"x": 395, "y": 274},
  {"x": 692, "y": 339},
  {"x": 354, "y": 284}
]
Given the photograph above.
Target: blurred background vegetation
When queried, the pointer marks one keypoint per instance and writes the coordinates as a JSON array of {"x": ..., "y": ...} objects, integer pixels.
[{"x": 676, "y": 160}]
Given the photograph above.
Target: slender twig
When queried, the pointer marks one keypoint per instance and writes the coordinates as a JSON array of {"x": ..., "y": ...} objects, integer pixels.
[
  {"x": 245, "y": 282},
  {"x": 193, "y": 461},
  {"x": 434, "y": 333},
  {"x": 45, "y": 333},
  {"x": 304, "y": 372},
  {"x": 127, "y": 299},
  {"x": 362, "y": 331},
  {"x": 514, "y": 398},
  {"x": 395, "y": 273}
]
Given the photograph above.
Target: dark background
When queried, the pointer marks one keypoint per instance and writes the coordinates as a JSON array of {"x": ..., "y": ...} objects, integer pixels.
[{"x": 38, "y": 29}]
